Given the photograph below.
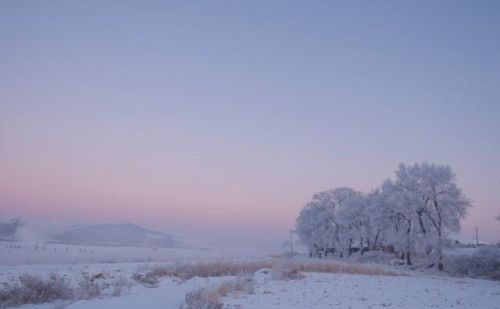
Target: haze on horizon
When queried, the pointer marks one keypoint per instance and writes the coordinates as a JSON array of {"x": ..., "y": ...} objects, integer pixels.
[{"x": 224, "y": 118}]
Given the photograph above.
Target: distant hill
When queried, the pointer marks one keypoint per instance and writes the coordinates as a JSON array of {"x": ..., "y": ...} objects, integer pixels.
[{"x": 126, "y": 234}]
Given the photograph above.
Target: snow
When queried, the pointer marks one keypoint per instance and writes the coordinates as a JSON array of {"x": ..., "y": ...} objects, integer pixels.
[
  {"x": 462, "y": 251},
  {"x": 360, "y": 291},
  {"x": 170, "y": 294},
  {"x": 315, "y": 291},
  {"x": 26, "y": 253}
]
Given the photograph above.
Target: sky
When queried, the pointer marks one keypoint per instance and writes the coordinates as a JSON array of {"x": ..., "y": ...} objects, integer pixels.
[{"x": 222, "y": 118}]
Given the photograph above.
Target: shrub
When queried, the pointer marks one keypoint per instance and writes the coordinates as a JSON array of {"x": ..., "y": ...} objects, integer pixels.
[
  {"x": 286, "y": 271},
  {"x": 32, "y": 289},
  {"x": 240, "y": 285},
  {"x": 148, "y": 279},
  {"x": 119, "y": 284},
  {"x": 210, "y": 298},
  {"x": 88, "y": 287},
  {"x": 484, "y": 263},
  {"x": 203, "y": 299}
]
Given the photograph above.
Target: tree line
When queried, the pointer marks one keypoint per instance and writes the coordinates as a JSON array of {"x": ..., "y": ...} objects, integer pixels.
[
  {"x": 414, "y": 214},
  {"x": 8, "y": 229}
]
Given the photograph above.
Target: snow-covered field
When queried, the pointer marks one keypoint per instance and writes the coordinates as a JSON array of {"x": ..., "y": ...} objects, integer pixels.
[
  {"x": 32, "y": 253},
  {"x": 314, "y": 290},
  {"x": 170, "y": 294},
  {"x": 359, "y": 291}
]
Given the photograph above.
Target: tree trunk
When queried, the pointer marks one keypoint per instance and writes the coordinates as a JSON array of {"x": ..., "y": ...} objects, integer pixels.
[
  {"x": 440, "y": 252},
  {"x": 408, "y": 246},
  {"x": 421, "y": 222},
  {"x": 375, "y": 241}
]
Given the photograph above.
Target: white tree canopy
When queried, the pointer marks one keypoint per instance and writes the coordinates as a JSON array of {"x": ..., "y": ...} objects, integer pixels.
[{"x": 414, "y": 213}]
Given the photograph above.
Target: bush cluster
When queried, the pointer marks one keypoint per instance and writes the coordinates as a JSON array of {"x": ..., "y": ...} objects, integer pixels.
[{"x": 484, "y": 263}]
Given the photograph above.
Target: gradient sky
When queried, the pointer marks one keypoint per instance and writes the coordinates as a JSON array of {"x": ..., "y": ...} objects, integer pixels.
[{"x": 225, "y": 117}]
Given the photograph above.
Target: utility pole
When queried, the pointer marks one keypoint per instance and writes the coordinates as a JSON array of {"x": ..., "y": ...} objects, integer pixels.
[
  {"x": 291, "y": 244},
  {"x": 477, "y": 237}
]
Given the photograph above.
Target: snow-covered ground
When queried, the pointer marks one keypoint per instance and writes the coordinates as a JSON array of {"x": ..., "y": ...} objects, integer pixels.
[
  {"x": 315, "y": 290},
  {"x": 359, "y": 291},
  {"x": 31, "y": 253},
  {"x": 169, "y": 295},
  {"x": 462, "y": 251}
]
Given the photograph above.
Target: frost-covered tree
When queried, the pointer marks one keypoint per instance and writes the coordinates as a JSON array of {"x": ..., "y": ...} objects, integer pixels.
[
  {"x": 431, "y": 192},
  {"x": 317, "y": 224},
  {"x": 353, "y": 216},
  {"x": 415, "y": 213},
  {"x": 379, "y": 217},
  {"x": 305, "y": 228},
  {"x": 315, "y": 228},
  {"x": 8, "y": 229},
  {"x": 401, "y": 217},
  {"x": 343, "y": 234}
]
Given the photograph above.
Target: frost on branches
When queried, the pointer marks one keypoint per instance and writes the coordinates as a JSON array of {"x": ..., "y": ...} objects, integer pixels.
[{"x": 413, "y": 214}]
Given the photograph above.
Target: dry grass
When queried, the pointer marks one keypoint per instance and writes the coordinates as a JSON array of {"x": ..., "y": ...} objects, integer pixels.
[
  {"x": 34, "y": 290},
  {"x": 203, "y": 299},
  {"x": 210, "y": 298},
  {"x": 89, "y": 286},
  {"x": 148, "y": 279},
  {"x": 240, "y": 285},
  {"x": 186, "y": 271},
  {"x": 293, "y": 269},
  {"x": 219, "y": 268},
  {"x": 285, "y": 269}
]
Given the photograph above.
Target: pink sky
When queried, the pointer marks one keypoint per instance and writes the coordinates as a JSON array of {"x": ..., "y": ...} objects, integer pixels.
[{"x": 219, "y": 117}]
